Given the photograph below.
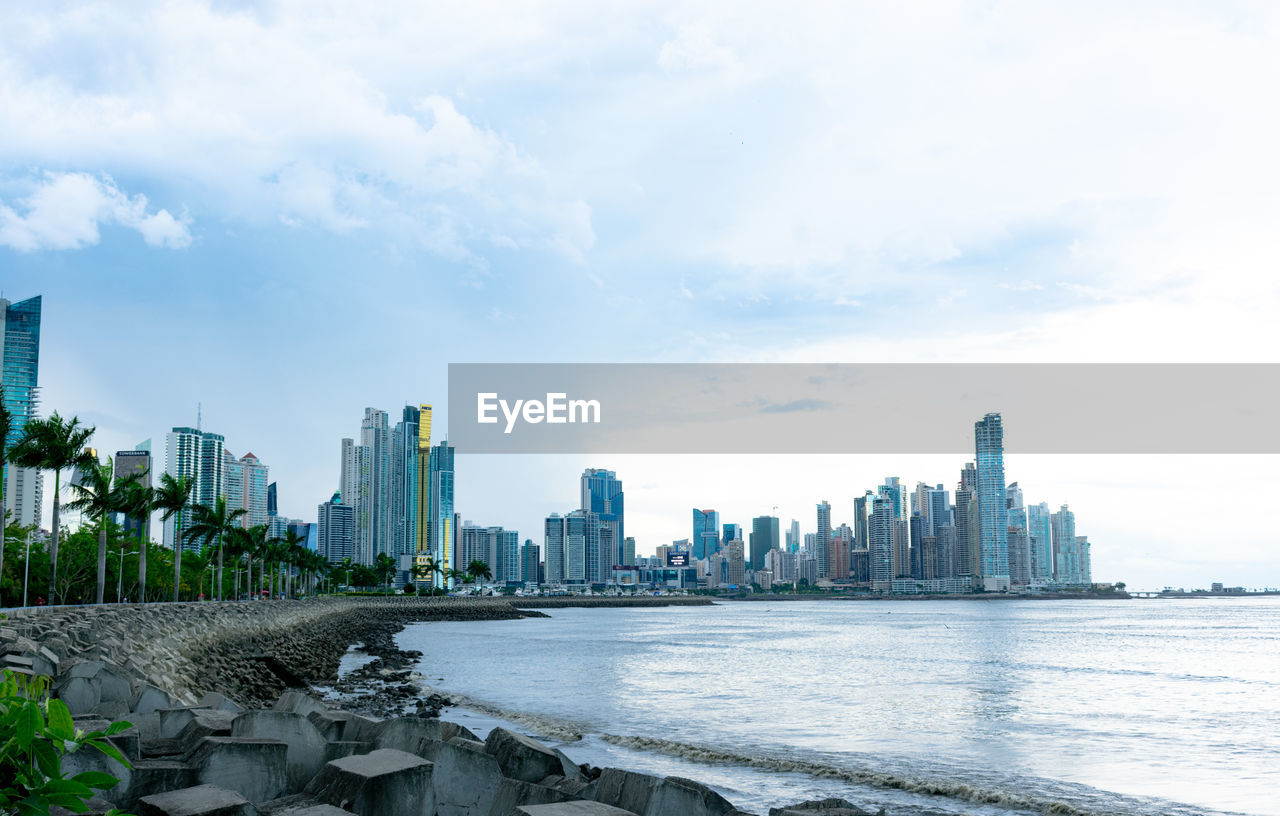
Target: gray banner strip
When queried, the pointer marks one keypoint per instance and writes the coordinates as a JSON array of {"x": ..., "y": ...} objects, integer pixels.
[{"x": 861, "y": 408}]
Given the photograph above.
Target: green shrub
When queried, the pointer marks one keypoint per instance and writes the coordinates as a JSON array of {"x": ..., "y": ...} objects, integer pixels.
[{"x": 35, "y": 733}]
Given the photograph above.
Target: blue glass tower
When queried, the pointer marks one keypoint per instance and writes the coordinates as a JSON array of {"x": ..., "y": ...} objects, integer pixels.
[
  {"x": 602, "y": 495},
  {"x": 706, "y": 533},
  {"x": 20, "y": 353}
]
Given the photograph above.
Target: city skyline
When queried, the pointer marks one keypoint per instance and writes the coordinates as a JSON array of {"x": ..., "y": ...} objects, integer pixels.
[{"x": 383, "y": 193}]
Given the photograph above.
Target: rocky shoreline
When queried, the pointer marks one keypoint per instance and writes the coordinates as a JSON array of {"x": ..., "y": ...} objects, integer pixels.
[{"x": 227, "y": 721}]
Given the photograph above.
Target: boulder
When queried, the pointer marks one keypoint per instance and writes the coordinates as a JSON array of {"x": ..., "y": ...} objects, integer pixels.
[
  {"x": 572, "y": 809},
  {"x": 381, "y": 782},
  {"x": 465, "y": 779},
  {"x": 253, "y": 767},
  {"x": 521, "y": 757},
  {"x": 202, "y": 800},
  {"x": 306, "y": 747}
]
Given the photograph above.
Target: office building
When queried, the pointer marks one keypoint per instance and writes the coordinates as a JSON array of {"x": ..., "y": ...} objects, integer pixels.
[
  {"x": 706, "y": 533},
  {"x": 134, "y": 464},
  {"x": 19, "y": 376},
  {"x": 765, "y": 534},
  {"x": 861, "y": 534},
  {"x": 736, "y": 565},
  {"x": 441, "y": 528},
  {"x": 403, "y": 505},
  {"x": 553, "y": 545},
  {"x": 1040, "y": 537},
  {"x": 529, "y": 561}
]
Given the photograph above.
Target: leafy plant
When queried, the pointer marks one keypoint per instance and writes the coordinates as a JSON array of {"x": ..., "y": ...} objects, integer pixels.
[{"x": 35, "y": 733}]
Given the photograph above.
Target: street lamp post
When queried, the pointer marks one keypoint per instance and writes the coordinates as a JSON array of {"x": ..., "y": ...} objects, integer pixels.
[
  {"x": 26, "y": 570},
  {"x": 120, "y": 575}
]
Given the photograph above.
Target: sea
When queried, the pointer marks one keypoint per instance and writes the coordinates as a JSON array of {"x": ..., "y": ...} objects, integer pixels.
[{"x": 1157, "y": 706}]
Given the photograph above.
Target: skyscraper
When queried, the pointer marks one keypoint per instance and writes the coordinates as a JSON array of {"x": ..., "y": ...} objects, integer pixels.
[
  {"x": 19, "y": 375},
  {"x": 403, "y": 503},
  {"x": 861, "y": 536},
  {"x": 1066, "y": 556},
  {"x": 706, "y": 533},
  {"x": 441, "y": 531},
  {"x": 793, "y": 536},
  {"x": 553, "y": 541},
  {"x": 822, "y": 540},
  {"x": 881, "y": 540},
  {"x": 129, "y": 464},
  {"x": 993, "y": 515},
  {"x": 246, "y": 488},
  {"x": 529, "y": 561},
  {"x": 965, "y": 514},
  {"x": 355, "y": 485},
  {"x": 764, "y": 537},
  {"x": 1040, "y": 535},
  {"x": 602, "y": 495},
  {"x": 376, "y": 436},
  {"x": 335, "y": 535},
  {"x": 732, "y": 531},
  {"x": 200, "y": 457},
  {"x": 581, "y": 543}
]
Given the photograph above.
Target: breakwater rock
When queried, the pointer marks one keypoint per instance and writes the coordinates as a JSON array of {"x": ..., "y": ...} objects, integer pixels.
[{"x": 225, "y": 722}]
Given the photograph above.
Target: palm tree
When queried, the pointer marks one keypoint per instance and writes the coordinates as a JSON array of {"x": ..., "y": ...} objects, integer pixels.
[
  {"x": 385, "y": 565},
  {"x": 96, "y": 496},
  {"x": 478, "y": 569},
  {"x": 295, "y": 554},
  {"x": 210, "y": 524},
  {"x": 53, "y": 444},
  {"x": 170, "y": 498},
  {"x": 427, "y": 569},
  {"x": 136, "y": 501},
  {"x": 6, "y": 427}
]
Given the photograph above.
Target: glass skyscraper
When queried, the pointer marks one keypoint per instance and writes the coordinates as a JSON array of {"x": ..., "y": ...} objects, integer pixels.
[
  {"x": 602, "y": 495},
  {"x": 706, "y": 533},
  {"x": 20, "y": 353},
  {"x": 993, "y": 513}
]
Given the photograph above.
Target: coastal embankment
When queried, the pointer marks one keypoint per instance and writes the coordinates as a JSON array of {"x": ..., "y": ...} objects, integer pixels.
[{"x": 226, "y": 720}]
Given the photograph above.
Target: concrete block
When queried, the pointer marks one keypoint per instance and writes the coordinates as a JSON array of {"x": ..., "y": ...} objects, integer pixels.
[
  {"x": 173, "y": 720},
  {"x": 220, "y": 702},
  {"x": 626, "y": 789},
  {"x": 298, "y": 703},
  {"x": 385, "y": 781},
  {"x": 572, "y": 809},
  {"x": 343, "y": 725},
  {"x": 677, "y": 796},
  {"x": 465, "y": 779},
  {"x": 202, "y": 800},
  {"x": 80, "y": 694},
  {"x": 207, "y": 723},
  {"x": 306, "y": 747},
  {"x": 253, "y": 767},
  {"x": 149, "y": 698},
  {"x": 408, "y": 733},
  {"x": 521, "y": 757},
  {"x": 513, "y": 794},
  {"x": 344, "y": 748}
]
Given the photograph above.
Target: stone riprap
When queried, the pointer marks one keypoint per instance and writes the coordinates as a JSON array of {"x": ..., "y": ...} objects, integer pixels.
[{"x": 216, "y": 732}]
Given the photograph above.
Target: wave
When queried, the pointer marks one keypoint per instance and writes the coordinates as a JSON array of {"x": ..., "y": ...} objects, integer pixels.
[
  {"x": 551, "y": 727},
  {"x": 996, "y": 794}
]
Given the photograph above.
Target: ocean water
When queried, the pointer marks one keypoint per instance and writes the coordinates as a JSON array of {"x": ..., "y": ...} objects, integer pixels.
[{"x": 948, "y": 707}]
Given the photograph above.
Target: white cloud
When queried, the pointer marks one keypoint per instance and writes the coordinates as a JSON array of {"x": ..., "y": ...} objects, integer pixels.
[{"x": 65, "y": 211}]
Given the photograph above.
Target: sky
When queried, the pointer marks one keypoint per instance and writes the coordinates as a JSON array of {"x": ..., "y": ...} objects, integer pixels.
[{"x": 284, "y": 212}]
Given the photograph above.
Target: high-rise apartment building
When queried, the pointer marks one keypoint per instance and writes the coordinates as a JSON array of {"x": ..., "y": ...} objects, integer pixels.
[
  {"x": 993, "y": 514},
  {"x": 1040, "y": 537},
  {"x": 200, "y": 457},
  {"x": 822, "y": 539},
  {"x": 404, "y": 484},
  {"x": 553, "y": 542},
  {"x": 335, "y": 530},
  {"x": 602, "y": 495},
  {"x": 529, "y": 562},
  {"x": 441, "y": 521},
  {"x": 355, "y": 485},
  {"x": 1066, "y": 557},
  {"x": 375, "y": 434},
  {"x": 246, "y": 488},
  {"x": 881, "y": 540},
  {"x": 736, "y": 566},
  {"x": 861, "y": 533},
  {"x": 706, "y": 533},
  {"x": 581, "y": 547},
  {"x": 19, "y": 376}
]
